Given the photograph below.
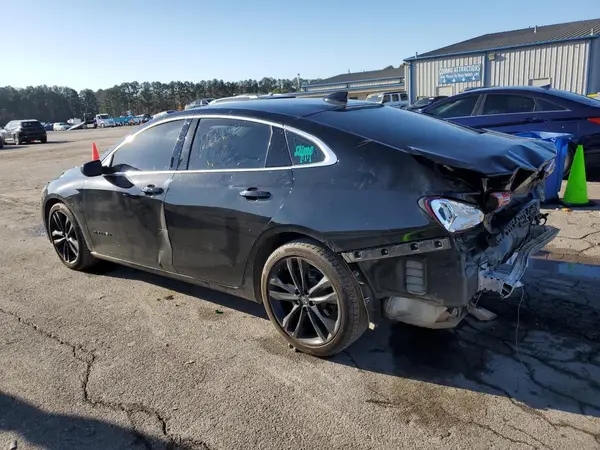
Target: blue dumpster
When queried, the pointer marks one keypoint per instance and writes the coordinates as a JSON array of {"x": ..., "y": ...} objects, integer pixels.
[{"x": 561, "y": 142}]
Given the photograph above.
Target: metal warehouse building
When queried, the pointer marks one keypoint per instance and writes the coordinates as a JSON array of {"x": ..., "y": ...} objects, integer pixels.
[
  {"x": 358, "y": 84},
  {"x": 565, "y": 56}
]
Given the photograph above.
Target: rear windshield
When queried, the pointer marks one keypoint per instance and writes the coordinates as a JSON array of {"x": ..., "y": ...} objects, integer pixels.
[
  {"x": 392, "y": 126},
  {"x": 31, "y": 124},
  {"x": 575, "y": 97}
]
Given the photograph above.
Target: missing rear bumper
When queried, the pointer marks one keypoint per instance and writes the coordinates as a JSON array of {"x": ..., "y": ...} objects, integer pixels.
[
  {"x": 430, "y": 312},
  {"x": 507, "y": 277}
]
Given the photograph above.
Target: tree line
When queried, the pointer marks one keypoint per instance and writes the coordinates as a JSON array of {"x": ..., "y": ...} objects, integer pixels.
[{"x": 60, "y": 103}]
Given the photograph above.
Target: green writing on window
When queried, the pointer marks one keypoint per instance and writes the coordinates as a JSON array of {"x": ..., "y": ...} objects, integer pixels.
[{"x": 304, "y": 152}]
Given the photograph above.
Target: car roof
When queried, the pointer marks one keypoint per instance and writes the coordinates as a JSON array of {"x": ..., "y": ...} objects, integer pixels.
[
  {"x": 565, "y": 97},
  {"x": 292, "y": 107}
]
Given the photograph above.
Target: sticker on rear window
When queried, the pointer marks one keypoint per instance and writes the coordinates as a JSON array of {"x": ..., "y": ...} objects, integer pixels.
[{"x": 305, "y": 153}]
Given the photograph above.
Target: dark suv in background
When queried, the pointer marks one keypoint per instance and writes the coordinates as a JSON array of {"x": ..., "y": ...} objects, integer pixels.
[{"x": 24, "y": 131}]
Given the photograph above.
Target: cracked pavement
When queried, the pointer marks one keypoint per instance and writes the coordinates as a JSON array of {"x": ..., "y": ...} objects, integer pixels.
[
  {"x": 579, "y": 236},
  {"x": 126, "y": 360}
]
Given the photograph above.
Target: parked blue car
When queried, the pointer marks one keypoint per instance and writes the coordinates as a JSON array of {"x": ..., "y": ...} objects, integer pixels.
[{"x": 527, "y": 108}]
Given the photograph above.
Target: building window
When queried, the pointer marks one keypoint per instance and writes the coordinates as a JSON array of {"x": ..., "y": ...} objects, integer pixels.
[{"x": 540, "y": 81}]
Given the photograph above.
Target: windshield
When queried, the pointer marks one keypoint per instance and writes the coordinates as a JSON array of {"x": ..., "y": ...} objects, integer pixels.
[
  {"x": 375, "y": 98},
  {"x": 423, "y": 102},
  {"x": 103, "y": 116}
]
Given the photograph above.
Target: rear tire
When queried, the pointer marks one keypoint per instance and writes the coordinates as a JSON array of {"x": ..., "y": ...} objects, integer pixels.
[
  {"x": 312, "y": 298},
  {"x": 44, "y": 140},
  {"x": 67, "y": 239}
]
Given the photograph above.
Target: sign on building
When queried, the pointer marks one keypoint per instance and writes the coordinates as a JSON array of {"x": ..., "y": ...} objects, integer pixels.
[{"x": 460, "y": 74}]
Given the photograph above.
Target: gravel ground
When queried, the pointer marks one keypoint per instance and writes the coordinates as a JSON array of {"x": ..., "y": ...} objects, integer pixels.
[{"x": 123, "y": 359}]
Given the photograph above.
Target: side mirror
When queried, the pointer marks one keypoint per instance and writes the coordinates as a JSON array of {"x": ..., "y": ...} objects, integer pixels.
[{"x": 92, "y": 168}]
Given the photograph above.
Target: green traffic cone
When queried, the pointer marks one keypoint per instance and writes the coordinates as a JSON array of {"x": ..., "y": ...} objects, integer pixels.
[{"x": 576, "y": 191}]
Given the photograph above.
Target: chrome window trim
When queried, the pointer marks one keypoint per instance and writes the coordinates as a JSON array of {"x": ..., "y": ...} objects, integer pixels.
[{"x": 330, "y": 156}]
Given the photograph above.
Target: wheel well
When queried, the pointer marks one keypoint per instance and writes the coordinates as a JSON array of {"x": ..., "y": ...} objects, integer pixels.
[
  {"x": 47, "y": 207},
  {"x": 266, "y": 248}
]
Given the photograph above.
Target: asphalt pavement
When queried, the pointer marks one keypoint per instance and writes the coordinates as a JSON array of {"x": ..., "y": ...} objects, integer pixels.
[{"x": 124, "y": 360}]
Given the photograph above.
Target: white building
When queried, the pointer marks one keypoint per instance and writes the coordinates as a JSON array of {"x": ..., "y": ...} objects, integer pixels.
[{"x": 565, "y": 56}]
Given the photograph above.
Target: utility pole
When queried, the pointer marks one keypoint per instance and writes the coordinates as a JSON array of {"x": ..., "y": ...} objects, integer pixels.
[{"x": 298, "y": 82}]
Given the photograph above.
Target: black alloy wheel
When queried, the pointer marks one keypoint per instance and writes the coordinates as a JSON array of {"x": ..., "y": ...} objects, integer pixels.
[
  {"x": 64, "y": 238},
  {"x": 304, "y": 302},
  {"x": 312, "y": 298},
  {"x": 67, "y": 239}
]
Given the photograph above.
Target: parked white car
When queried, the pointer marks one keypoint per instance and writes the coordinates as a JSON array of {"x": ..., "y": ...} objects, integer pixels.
[
  {"x": 61, "y": 126},
  {"x": 397, "y": 99}
]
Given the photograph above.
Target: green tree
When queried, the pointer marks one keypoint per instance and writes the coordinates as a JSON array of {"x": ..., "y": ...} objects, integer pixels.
[{"x": 60, "y": 103}]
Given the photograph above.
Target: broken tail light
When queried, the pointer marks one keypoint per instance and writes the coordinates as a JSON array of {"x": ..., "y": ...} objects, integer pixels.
[{"x": 453, "y": 215}]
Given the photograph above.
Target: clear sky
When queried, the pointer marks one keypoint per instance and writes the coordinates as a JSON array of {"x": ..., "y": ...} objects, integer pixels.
[{"x": 98, "y": 43}]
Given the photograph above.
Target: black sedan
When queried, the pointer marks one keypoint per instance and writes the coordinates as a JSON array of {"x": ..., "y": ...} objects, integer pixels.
[{"x": 331, "y": 213}]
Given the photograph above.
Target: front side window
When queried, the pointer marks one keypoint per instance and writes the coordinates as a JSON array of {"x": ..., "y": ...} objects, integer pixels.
[
  {"x": 507, "y": 104},
  {"x": 303, "y": 151},
  {"x": 403, "y": 97},
  {"x": 387, "y": 98},
  {"x": 221, "y": 144},
  {"x": 458, "y": 108},
  {"x": 150, "y": 150}
]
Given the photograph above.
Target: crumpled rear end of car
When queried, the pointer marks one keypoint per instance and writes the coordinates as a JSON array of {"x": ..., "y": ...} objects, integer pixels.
[{"x": 490, "y": 223}]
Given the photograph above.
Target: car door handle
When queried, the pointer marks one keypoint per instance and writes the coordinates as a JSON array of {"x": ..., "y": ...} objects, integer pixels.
[
  {"x": 152, "y": 190},
  {"x": 532, "y": 120},
  {"x": 254, "y": 193}
]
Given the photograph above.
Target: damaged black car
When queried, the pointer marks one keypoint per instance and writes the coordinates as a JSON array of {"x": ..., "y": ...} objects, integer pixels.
[{"x": 334, "y": 214}]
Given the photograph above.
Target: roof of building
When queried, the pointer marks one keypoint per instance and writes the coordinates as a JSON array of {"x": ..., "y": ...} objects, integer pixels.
[
  {"x": 365, "y": 75},
  {"x": 522, "y": 37}
]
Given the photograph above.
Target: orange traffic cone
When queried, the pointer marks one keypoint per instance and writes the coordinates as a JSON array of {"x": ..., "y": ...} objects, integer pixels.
[{"x": 95, "y": 155}]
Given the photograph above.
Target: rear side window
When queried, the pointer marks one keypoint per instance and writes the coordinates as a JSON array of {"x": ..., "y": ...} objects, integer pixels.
[
  {"x": 150, "y": 150},
  {"x": 544, "y": 105},
  {"x": 222, "y": 144},
  {"x": 278, "y": 154},
  {"x": 457, "y": 108},
  {"x": 507, "y": 104},
  {"x": 303, "y": 151}
]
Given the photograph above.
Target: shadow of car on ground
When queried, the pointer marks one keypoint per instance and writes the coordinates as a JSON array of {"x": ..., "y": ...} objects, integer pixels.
[{"x": 542, "y": 351}]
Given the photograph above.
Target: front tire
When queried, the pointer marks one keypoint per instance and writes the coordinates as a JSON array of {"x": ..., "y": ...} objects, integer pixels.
[
  {"x": 312, "y": 298},
  {"x": 67, "y": 239}
]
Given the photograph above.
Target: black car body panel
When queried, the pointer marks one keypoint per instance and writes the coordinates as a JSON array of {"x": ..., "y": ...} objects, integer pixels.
[{"x": 363, "y": 200}]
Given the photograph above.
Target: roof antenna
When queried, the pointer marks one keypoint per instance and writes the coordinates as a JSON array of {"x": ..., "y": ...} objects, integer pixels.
[{"x": 339, "y": 98}]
